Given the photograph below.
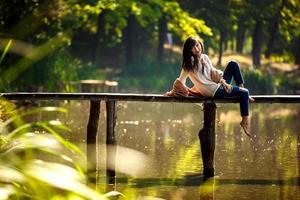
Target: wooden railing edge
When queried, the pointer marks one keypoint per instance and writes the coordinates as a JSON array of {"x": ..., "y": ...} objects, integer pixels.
[{"x": 144, "y": 97}]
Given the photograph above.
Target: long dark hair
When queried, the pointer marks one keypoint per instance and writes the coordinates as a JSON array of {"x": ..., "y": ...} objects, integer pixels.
[{"x": 190, "y": 62}]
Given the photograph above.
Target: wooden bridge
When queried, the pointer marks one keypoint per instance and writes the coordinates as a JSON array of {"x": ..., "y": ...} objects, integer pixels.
[{"x": 206, "y": 134}]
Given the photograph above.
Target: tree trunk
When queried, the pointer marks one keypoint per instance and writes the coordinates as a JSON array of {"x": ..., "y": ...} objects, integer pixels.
[
  {"x": 240, "y": 36},
  {"x": 226, "y": 44},
  {"x": 99, "y": 39},
  {"x": 273, "y": 29},
  {"x": 221, "y": 42},
  {"x": 128, "y": 39},
  {"x": 161, "y": 37},
  {"x": 232, "y": 43},
  {"x": 297, "y": 52},
  {"x": 257, "y": 41}
]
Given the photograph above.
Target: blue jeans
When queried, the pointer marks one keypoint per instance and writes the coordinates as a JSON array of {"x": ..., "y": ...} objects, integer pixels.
[{"x": 233, "y": 71}]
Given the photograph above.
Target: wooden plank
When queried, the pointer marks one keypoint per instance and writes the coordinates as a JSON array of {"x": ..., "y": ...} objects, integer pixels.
[{"x": 145, "y": 97}]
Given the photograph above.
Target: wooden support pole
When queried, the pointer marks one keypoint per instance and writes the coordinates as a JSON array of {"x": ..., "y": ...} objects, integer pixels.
[
  {"x": 111, "y": 141},
  {"x": 207, "y": 139},
  {"x": 92, "y": 129}
]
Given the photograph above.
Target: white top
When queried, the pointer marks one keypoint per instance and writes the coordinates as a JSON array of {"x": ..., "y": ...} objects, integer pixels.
[{"x": 203, "y": 82}]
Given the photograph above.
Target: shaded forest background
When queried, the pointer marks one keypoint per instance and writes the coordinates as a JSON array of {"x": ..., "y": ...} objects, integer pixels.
[{"x": 54, "y": 44}]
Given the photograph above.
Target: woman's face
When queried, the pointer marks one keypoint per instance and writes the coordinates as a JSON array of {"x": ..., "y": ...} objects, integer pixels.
[{"x": 197, "y": 49}]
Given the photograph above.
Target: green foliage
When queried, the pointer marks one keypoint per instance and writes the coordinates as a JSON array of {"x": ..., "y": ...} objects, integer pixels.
[
  {"x": 5, "y": 50},
  {"x": 25, "y": 173},
  {"x": 289, "y": 83},
  {"x": 290, "y": 20},
  {"x": 182, "y": 23},
  {"x": 48, "y": 30},
  {"x": 57, "y": 72},
  {"x": 258, "y": 82},
  {"x": 148, "y": 14},
  {"x": 149, "y": 76}
]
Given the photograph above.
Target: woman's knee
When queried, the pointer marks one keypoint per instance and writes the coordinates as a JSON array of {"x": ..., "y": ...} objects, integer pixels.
[
  {"x": 234, "y": 64},
  {"x": 244, "y": 92}
]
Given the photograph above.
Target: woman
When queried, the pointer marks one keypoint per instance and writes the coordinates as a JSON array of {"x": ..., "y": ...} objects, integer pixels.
[{"x": 211, "y": 82}]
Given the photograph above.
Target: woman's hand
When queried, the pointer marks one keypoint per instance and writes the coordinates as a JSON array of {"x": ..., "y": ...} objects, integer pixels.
[{"x": 226, "y": 86}]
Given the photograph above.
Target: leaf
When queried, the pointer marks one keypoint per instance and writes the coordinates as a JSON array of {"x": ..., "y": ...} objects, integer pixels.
[
  {"x": 9, "y": 174},
  {"x": 114, "y": 194},
  {"x": 67, "y": 144},
  {"x": 6, "y": 191},
  {"x": 18, "y": 131},
  {"x": 5, "y": 50},
  {"x": 60, "y": 176},
  {"x": 34, "y": 111}
]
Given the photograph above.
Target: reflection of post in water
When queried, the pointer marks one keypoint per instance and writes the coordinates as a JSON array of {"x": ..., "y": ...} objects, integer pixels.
[
  {"x": 111, "y": 141},
  {"x": 271, "y": 138},
  {"x": 237, "y": 157},
  {"x": 207, "y": 139},
  {"x": 207, "y": 189},
  {"x": 297, "y": 129},
  {"x": 255, "y": 129},
  {"x": 237, "y": 140},
  {"x": 162, "y": 132},
  {"x": 91, "y": 140},
  {"x": 201, "y": 188}
]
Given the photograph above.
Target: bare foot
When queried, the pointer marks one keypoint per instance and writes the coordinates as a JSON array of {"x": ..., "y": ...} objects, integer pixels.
[
  {"x": 251, "y": 100},
  {"x": 246, "y": 128}
]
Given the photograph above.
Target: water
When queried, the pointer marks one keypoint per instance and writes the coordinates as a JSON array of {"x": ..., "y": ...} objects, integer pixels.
[{"x": 166, "y": 135}]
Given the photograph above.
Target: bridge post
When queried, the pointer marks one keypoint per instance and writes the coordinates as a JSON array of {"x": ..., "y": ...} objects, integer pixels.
[
  {"x": 110, "y": 141},
  {"x": 207, "y": 139},
  {"x": 91, "y": 150}
]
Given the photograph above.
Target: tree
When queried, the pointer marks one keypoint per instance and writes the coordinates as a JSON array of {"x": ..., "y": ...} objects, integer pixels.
[
  {"x": 261, "y": 12},
  {"x": 290, "y": 27},
  {"x": 135, "y": 24},
  {"x": 243, "y": 21},
  {"x": 217, "y": 14},
  {"x": 274, "y": 26}
]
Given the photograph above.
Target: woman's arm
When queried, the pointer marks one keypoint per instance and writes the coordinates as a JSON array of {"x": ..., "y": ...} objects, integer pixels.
[
  {"x": 211, "y": 65},
  {"x": 183, "y": 76},
  {"x": 226, "y": 86},
  {"x": 179, "y": 87}
]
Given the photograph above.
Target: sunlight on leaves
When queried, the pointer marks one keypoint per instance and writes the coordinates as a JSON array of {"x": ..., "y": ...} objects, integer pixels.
[
  {"x": 60, "y": 176},
  {"x": 34, "y": 111},
  {"x": 8, "y": 45},
  {"x": 9, "y": 174},
  {"x": 33, "y": 56},
  {"x": 6, "y": 191}
]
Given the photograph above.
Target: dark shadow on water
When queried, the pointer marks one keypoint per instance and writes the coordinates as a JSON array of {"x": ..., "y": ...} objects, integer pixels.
[
  {"x": 291, "y": 181},
  {"x": 197, "y": 180}
]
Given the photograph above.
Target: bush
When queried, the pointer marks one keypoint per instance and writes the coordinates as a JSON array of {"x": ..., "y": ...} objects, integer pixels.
[
  {"x": 289, "y": 83},
  {"x": 149, "y": 76},
  {"x": 58, "y": 72},
  {"x": 259, "y": 83}
]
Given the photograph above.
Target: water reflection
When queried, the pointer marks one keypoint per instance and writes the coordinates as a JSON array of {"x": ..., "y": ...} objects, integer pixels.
[{"x": 266, "y": 168}]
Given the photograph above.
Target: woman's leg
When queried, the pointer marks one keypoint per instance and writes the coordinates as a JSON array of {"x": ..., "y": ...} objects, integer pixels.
[
  {"x": 243, "y": 94},
  {"x": 233, "y": 70},
  {"x": 245, "y": 124}
]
